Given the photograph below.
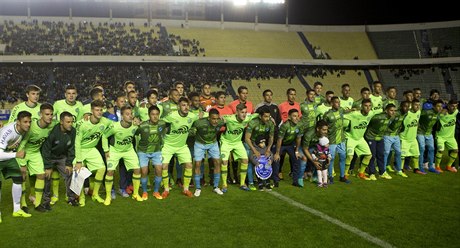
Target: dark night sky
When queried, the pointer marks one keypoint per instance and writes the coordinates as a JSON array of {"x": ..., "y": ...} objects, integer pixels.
[{"x": 360, "y": 12}]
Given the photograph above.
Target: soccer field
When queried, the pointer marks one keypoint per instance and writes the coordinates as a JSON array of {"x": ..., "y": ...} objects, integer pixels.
[{"x": 419, "y": 211}]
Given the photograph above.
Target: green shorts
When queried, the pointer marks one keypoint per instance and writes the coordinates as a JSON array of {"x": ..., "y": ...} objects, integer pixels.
[
  {"x": 409, "y": 148},
  {"x": 183, "y": 154},
  {"x": 449, "y": 143},
  {"x": 238, "y": 150},
  {"x": 129, "y": 157},
  {"x": 10, "y": 168},
  {"x": 91, "y": 158},
  {"x": 34, "y": 163},
  {"x": 359, "y": 146}
]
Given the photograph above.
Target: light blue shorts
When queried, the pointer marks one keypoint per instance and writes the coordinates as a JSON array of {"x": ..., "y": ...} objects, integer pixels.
[
  {"x": 200, "y": 150},
  {"x": 145, "y": 157}
]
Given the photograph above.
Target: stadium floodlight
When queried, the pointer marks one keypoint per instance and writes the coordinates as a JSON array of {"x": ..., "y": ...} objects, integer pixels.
[
  {"x": 246, "y": 2},
  {"x": 240, "y": 2}
]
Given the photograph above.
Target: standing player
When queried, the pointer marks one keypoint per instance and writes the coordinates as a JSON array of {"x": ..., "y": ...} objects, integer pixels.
[
  {"x": 152, "y": 99},
  {"x": 33, "y": 161},
  {"x": 289, "y": 104},
  {"x": 428, "y": 119},
  {"x": 121, "y": 147},
  {"x": 336, "y": 134},
  {"x": 89, "y": 132},
  {"x": 31, "y": 105},
  {"x": 10, "y": 137},
  {"x": 176, "y": 144},
  {"x": 408, "y": 136},
  {"x": 377, "y": 97},
  {"x": 242, "y": 98},
  {"x": 355, "y": 138},
  {"x": 319, "y": 99},
  {"x": 231, "y": 143},
  {"x": 258, "y": 127},
  {"x": 346, "y": 102},
  {"x": 151, "y": 134},
  {"x": 445, "y": 136},
  {"x": 206, "y": 132},
  {"x": 207, "y": 101}
]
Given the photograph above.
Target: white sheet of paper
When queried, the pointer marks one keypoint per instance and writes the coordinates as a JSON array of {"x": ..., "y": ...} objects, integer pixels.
[{"x": 78, "y": 179}]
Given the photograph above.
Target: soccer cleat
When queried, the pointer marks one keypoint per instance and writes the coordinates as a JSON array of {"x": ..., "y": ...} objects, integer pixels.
[
  {"x": 123, "y": 193},
  {"x": 197, "y": 193},
  {"x": 331, "y": 180},
  {"x": 113, "y": 194},
  {"x": 300, "y": 182},
  {"x": 268, "y": 187},
  {"x": 145, "y": 196},
  {"x": 54, "y": 199},
  {"x": 252, "y": 187},
  {"x": 137, "y": 197},
  {"x": 217, "y": 191},
  {"x": 82, "y": 202},
  {"x": 451, "y": 169},
  {"x": 344, "y": 180},
  {"x": 129, "y": 189},
  {"x": 157, "y": 195},
  {"x": 40, "y": 208},
  {"x": 224, "y": 190},
  {"x": 244, "y": 187},
  {"x": 390, "y": 169},
  {"x": 372, "y": 177},
  {"x": 439, "y": 169},
  {"x": 97, "y": 198},
  {"x": 402, "y": 174},
  {"x": 73, "y": 203},
  {"x": 25, "y": 209},
  {"x": 165, "y": 194},
  {"x": 418, "y": 171},
  {"x": 433, "y": 170},
  {"x": 187, "y": 193},
  {"x": 47, "y": 207},
  {"x": 363, "y": 176},
  {"x": 319, "y": 185},
  {"x": 108, "y": 201},
  {"x": 261, "y": 187},
  {"x": 21, "y": 213},
  {"x": 385, "y": 175}
]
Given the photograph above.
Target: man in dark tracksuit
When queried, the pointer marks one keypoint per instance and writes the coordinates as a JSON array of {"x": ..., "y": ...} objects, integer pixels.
[{"x": 58, "y": 152}]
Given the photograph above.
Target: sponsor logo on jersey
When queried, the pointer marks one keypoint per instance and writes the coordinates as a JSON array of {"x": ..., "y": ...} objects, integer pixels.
[
  {"x": 181, "y": 130},
  {"x": 449, "y": 124},
  {"x": 236, "y": 131},
  {"x": 94, "y": 136},
  {"x": 414, "y": 123},
  {"x": 362, "y": 125},
  {"x": 125, "y": 141}
]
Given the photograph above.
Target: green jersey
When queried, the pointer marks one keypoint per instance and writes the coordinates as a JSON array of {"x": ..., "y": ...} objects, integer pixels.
[
  {"x": 395, "y": 126},
  {"x": 336, "y": 123},
  {"x": 235, "y": 128},
  {"x": 309, "y": 141},
  {"x": 447, "y": 122},
  {"x": 204, "y": 132},
  {"x": 321, "y": 110},
  {"x": 35, "y": 111},
  {"x": 168, "y": 107},
  {"x": 34, "y": 138},
  {"x": 308, "y": 110},
  {"x": 377, "y": 127},
  {"x": 410, "y": 125},
  {"x": 259, "y": 129},
  {"x": 427, "y": 120},
  {"x": 346, "y": 104},
  {"x": 88, "y": 135},
  {"x": 76, "y": 109},
  {"x": 288, "y": 133},
  {"x": 123, "y": 137},
  {"x": 179, "y": 128},
  {"x": 358, "y": 124},
  {"x": 151, "y": 136},
  {"x": 144, "y": 112},
  {"x": 392, "y": 101},
  {"x": 319, "y": 99},
  {"x": 377, "y": 104},
  {"x": 86, "y": 109}
]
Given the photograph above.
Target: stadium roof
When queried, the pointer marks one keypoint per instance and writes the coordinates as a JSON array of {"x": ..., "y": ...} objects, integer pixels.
[{"x": 307, "y": 12}]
